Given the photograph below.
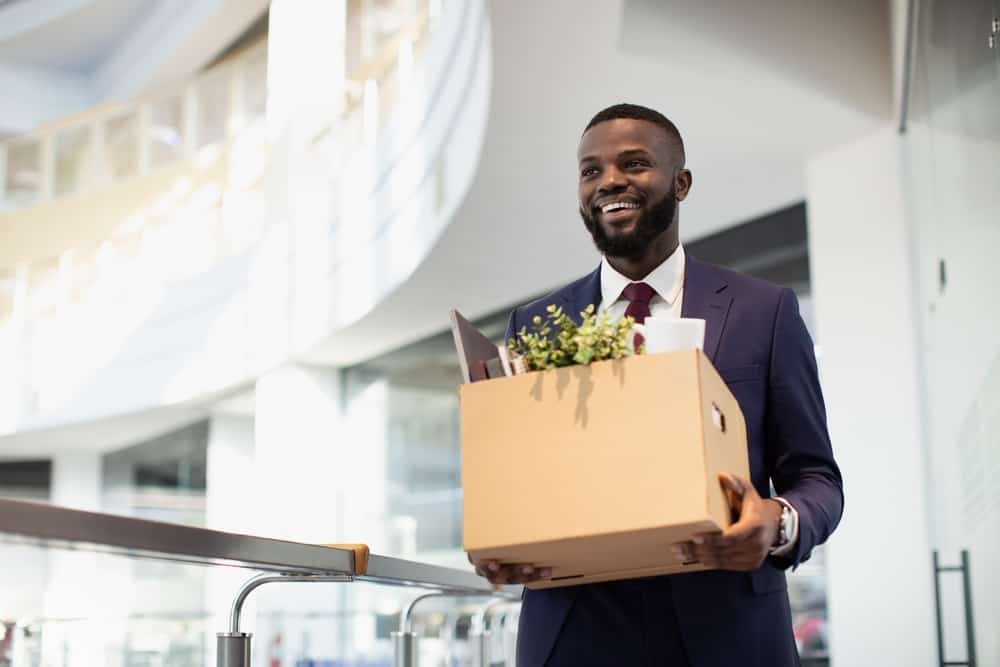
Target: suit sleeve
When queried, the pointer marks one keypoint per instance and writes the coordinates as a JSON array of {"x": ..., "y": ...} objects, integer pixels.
[{"x": 798, "y": 449}]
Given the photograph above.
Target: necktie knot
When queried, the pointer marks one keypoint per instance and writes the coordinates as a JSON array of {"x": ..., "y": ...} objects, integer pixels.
[{"x": 638, "y": 293}]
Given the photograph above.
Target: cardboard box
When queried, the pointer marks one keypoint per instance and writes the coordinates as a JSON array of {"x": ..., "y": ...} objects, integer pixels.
[{"x": 595, "y": 471}]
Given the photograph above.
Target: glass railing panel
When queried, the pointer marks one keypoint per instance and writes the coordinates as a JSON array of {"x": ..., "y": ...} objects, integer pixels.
[
  {"x": 86, "y": 588},
  {"x": 166, "y": 130},
  {"x": 63, "y": 608},
  {"x": 23, "y": 171},
  {"x": 73, "y": 158},
  {"x": 213, "y": 95},
  {"x": 122, "y": 145}
]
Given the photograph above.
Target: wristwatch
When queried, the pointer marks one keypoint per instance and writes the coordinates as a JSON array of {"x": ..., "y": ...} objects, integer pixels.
[{"x": 786, "y": 526}]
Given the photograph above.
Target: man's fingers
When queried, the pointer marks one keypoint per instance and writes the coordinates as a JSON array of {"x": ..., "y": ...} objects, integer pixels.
[
  {"x": 732, "y": 483},
  {"x": 512, "y": 573},
  {"x": 739, "y": 532}
]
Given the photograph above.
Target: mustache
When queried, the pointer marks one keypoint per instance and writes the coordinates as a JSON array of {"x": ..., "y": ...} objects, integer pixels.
[{"x": 653, "y": 221}]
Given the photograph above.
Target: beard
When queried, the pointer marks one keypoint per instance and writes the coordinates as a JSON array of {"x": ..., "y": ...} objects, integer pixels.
[{"x": 652, "y": 222}]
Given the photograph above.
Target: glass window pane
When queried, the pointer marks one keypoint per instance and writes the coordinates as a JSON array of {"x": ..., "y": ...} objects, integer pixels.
[
  {"x": 121, "y": 136},
  {"x": 73, "y": 159},
  {"x": 24, "y": 171},
  {"x": 255, "y": 85},
  {"x": 214, "y": 103},
  {"x": 166, "y": 130}
]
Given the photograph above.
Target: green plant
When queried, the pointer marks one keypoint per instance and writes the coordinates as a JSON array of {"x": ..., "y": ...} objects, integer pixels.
[{"x": 556, "y": 340}]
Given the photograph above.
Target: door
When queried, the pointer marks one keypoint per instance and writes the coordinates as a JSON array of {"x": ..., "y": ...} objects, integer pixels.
[{"x": 952, "y": 155}]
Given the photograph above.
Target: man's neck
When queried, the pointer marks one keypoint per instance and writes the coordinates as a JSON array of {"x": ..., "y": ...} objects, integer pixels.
[{"x": 637, "y": 268}]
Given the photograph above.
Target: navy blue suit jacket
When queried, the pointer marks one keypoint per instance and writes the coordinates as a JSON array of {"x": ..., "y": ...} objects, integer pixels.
[{"x": 757, "y": 340}]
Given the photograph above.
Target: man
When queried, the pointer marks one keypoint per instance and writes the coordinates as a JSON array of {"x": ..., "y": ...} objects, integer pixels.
[{"x": 631, "y": 179}]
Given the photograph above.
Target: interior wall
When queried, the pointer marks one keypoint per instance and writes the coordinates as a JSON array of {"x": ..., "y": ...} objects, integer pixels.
[{"x": 866, "y": 321}]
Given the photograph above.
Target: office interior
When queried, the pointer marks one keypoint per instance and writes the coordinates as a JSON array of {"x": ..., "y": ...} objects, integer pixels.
[{"x": 232, "y": 231}]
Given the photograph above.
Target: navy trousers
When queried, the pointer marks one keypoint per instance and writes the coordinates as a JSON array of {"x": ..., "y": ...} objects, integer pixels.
[{"x": 639, "y": 613}]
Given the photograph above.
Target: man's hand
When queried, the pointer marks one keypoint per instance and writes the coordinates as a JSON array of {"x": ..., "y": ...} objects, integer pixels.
[
  {"x": 509, "y": 573},
  {"x": 745, "y": 544}
]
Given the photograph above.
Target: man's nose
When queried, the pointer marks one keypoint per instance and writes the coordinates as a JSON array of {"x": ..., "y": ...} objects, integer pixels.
[{"x": 612, "y": 179}]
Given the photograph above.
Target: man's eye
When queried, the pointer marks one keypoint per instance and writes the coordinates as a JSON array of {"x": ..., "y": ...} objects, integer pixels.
[
  {"x": 635, "y": 163},
  {"x": 589, "y": 171}
]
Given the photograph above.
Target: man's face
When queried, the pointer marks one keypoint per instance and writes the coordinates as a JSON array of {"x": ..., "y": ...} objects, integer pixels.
[{"x": 628, "y": 194}]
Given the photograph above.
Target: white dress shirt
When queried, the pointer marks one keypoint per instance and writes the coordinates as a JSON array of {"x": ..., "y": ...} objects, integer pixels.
[{"x": 667, "y": 280}]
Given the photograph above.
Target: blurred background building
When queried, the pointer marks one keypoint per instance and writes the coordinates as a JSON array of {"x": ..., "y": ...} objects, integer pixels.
[{"x": 231, "y": 232}]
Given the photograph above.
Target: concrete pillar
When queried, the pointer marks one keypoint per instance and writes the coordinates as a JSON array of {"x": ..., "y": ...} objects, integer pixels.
[
  {"x": 76, "y": 578},
  {"x": 229, "y": 506},
  {"x": 76, "y": 480},
  {"x": 864, "y": 289}
]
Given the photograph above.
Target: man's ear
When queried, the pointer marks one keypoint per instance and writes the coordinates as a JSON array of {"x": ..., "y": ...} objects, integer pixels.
[{"x": 682, "y": 183}]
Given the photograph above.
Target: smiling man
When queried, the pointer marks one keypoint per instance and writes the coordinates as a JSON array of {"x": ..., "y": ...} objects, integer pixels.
[{"x": 632, "y": 177}]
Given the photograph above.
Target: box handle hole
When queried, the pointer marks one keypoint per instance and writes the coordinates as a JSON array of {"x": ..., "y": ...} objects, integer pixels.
[{"x": 718, "y": 418}]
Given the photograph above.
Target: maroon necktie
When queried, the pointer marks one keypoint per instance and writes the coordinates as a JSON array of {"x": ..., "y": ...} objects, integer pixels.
[{"x": 638, "y": 295}]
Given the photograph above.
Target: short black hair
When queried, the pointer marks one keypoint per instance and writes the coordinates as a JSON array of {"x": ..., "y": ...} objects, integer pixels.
[{"x": 638, "y": 112}]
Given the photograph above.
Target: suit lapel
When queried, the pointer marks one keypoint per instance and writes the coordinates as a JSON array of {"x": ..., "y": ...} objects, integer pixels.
[
  {"x": 586, "y": 292},
  {"x": 706, "y": 297}
]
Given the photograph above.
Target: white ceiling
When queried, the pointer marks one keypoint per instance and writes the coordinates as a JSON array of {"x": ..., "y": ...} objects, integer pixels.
[
  {"x": 80, "y": 40},
  {"x": 755, "y": 88}
]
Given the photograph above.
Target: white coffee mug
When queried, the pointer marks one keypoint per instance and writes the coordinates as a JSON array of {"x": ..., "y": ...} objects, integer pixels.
[{"x": 666, "y": 334}]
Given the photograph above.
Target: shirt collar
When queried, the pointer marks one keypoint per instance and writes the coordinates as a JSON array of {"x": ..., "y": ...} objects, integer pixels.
[{"x": 667, "y": 279}]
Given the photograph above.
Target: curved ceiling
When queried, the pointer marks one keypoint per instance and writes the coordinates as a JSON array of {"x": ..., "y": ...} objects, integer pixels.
[
  {"x": 77, "y": 41},
  {"x": 754, "y": 96}
]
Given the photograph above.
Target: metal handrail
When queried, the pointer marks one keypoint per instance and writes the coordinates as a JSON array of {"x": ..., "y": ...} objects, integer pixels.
[
  {"x": 250, "y": 585},
  {"x": 24, "y": 521}
]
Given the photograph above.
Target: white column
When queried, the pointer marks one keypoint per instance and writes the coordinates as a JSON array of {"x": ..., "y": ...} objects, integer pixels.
[
  {"x": 306, "y": 89},
  {"x": 320, "y": 474},
  {"x": 297, "y": 433},
  {"x": 305, "y": 63},
  {"x": 76, "y": 578},
  {"x": 76, "y": 480},
  {"x": 229, "y": 505},
  {"x": 860, "y": 248},
  {"x": 319, "y": 478},
  {"x": 230, "y": 483}
]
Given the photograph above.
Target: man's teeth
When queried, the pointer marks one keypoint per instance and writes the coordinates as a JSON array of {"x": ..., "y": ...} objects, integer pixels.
[{"x": 614, "y": 206}]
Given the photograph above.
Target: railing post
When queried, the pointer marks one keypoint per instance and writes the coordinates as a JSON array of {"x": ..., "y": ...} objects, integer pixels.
[
  {"x": 404, "y": 641},
  {"x": 480, "y": 635},
  {"x": 233, "y": 648},
  {"x": 404, "y": 649}
]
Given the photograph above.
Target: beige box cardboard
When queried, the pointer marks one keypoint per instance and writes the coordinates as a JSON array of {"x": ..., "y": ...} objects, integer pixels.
[{"x": 595, "y": 471}]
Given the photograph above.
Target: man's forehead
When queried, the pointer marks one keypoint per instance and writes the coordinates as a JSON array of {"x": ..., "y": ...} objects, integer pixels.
[{"x": 623, "y": 134}]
